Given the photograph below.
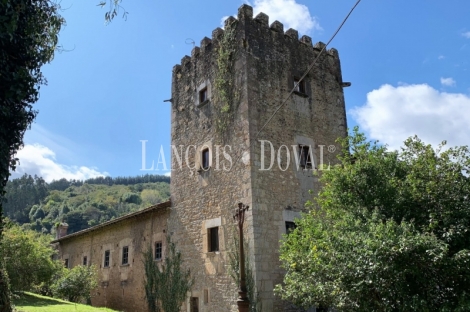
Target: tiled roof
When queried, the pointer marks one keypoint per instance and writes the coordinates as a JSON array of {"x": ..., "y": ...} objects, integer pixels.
[{"x": 153, "y": 208}]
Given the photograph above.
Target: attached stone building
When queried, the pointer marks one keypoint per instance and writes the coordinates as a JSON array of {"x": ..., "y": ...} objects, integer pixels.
[
  {"x": 115, "y": 248},
  {"x": 237, "y": 91}
]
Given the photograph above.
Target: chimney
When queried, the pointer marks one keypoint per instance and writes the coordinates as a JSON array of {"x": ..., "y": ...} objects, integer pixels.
[{"x": 61, "y": 230}]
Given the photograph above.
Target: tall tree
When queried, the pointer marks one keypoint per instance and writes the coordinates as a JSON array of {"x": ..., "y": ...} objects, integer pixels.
[
  {"x": 388, "y": 232},
  {"x": 28, "y": 38}
]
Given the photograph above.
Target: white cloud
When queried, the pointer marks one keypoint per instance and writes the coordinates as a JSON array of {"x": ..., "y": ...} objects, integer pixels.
[
  {"x": 449, "y": 82},
  {"x": 40, "y": 160},
  {"x": 167, "y": 174},
  {"x": 466, "y": 34},
  {"x": 393, "y": 114},
  {"x": 441, "y": 57},
  {"x": 290, "y": 13},
  {"x": 222, "y": 20}
]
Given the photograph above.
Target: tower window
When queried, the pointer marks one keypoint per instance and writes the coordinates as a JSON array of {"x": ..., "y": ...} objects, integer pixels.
[
  {"x": 213, "y": 243},
  {"x": 299, "y": 86},
  {"x": 106, "y": 258},
  {"x": 205, "y": 159},
  {"x": 194, "y": 304},
  {"x": 85, "y": 260},
  {"x": 305, "y": 157},
  {"x": 66, "y": 263},
  {"x": 203, "y": 95},
  {"x": 158, "y": 250},
  {"x": 125, "y": 255},
  {"x": 290, "y": 226}
]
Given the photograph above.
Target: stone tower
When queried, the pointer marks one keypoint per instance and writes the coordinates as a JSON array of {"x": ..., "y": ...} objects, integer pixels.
[{"x": 223, "y": 95}]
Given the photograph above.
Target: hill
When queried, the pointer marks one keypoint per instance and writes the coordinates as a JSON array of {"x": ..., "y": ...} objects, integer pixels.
[{"x": 38, "y": 205}]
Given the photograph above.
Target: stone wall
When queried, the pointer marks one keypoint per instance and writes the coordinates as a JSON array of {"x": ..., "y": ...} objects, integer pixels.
[
  {"x": 120, "y": 287},
  {"x": 259, "y": 63}
]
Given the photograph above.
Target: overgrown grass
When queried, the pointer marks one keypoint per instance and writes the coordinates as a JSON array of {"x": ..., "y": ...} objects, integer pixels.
[{"x": 29, "y": 302}]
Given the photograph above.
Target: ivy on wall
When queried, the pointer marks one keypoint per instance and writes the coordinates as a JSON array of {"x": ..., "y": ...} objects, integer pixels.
[{"x": 226, "y": 95}]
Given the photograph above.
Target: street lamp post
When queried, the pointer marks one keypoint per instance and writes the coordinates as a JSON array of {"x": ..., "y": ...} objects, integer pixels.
[{"x": 243, "y": 302}]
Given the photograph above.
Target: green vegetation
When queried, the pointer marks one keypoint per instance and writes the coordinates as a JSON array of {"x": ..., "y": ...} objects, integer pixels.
[
  {"x": 37, "y": 205},
  {"x": 226, "y": 98},
  {"x": 28, "y": 39},
  {"x": 389, "y": 232},
  {"x": 29, "y": 302},
  {"x": 76, "y": 284},
  {"x": 166, "y": 282},
  {"x": 28, "y": 256}
]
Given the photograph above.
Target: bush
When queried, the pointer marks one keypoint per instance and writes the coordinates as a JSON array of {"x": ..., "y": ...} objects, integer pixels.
[
  {"x": 76, "y": 284},
  {"x": 28, "y": 257}
]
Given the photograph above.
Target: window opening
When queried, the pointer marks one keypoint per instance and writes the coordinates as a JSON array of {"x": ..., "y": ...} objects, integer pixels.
[
  {"x": 205, "y": 159},
  {"x": 213, "y": 239},
  {"x": 106, "y": 258},
  {"x": 299, "y": 86},
  {"x": 305, "y": 157},
  {"x": 290, "y": 226},
  {"x": 203, "y": 95},
  {"x": 125, "y": 255},
  {"x": 158, "y": 250},
  {"x": 194, "y": 304}
]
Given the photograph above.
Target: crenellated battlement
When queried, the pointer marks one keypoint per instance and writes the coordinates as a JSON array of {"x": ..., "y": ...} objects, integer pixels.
[
  {"x": 260, "y": 23},
  {"x": 249, "y": 82}
]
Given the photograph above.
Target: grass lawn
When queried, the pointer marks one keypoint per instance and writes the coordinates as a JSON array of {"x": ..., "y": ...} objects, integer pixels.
[{"x": 29, "y": 302}]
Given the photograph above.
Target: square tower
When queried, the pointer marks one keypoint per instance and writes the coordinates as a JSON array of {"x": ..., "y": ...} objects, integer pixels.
[{"x": 227, "y": 112}]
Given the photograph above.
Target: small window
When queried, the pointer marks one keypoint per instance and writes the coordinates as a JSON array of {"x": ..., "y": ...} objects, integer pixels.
[
  {"x": 203, "y": 95},
  {"x": 205, "y": 159},
  {"x": 213, "y": 234},
  {"x": 299, "y": 86},
  {"x": 85, "y": 260},
  {"x": 206, "y": 296},
  {"x": 158, "y": 250},
  {"x": 194, "y": 304},
  {"x": 305, "y": 157},
  {"x": 290, "y": 226},
  {"x": 66, "y": 263},
  {"x": 106, "y": 258},
  {"x": 125, "y": 255}
]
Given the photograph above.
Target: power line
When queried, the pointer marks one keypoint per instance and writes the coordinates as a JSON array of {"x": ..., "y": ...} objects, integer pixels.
[{"x": 296, "y": 85}]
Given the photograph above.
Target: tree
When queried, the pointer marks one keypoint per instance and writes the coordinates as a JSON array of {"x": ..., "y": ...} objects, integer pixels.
[
  {"x": 166, "y": 284},
  {"x": 388, "y": 232},
  {"x": 114, "y": 9},
  {"x": 28, "y": 256},
  {"x": 76, "y": 284},
  {"x": 28, "y": 39}
]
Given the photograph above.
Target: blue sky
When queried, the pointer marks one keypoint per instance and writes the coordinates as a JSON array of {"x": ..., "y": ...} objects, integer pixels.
[{"x": 408, "y": 61}]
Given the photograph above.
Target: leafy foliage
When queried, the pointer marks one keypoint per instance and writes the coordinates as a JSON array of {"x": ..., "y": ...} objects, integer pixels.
[
  {"x": 167, "y": 283},
  {"x": 28, "y": 39},
  {"x": 28, "y": 257},
  {"x": 225, "y": 96},
  {"x": 37, "y": 205},
  {"x": 21, "y": 195},
  {"x": 388, "y": 232},
  {"x": 114, "y": 8},
  {"x": 76, "y": 284}
]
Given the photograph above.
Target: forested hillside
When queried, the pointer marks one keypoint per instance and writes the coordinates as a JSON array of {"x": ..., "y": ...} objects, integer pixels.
[{"x": 38, "y": 205}]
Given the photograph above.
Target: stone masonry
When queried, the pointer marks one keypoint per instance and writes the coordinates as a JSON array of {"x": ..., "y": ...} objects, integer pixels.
[
  {"x": 262, "y": 62},
  {"x": 226, "y": 114},
  {"x": 120, "y": 286}
]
